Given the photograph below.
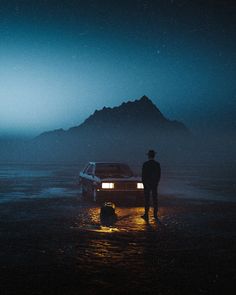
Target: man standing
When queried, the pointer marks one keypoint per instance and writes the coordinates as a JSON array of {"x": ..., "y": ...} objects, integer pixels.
[{"x": 151, "y": 174}]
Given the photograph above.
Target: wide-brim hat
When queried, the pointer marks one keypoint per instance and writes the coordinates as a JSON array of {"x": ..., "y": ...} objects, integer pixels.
[{"x": 151, "y": 153}]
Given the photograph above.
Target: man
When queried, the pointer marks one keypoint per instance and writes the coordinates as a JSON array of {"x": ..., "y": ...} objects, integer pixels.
[{"x": 151, "y": 174}]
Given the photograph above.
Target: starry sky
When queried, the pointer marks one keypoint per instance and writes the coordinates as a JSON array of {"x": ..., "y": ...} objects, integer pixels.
[{"x": 61, "y": 60}]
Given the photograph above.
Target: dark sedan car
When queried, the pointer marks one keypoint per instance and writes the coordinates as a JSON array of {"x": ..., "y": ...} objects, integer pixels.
[{"x": 109, "y": 181}]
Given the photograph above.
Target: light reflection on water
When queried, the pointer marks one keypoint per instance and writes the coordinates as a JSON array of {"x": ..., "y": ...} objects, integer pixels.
[
  {"x": 128, "y": 219},
  {"x": 122, "y": 241}
]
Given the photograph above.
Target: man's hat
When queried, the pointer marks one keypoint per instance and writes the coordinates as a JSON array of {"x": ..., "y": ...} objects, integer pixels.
[{"x": 151, "y": 153}]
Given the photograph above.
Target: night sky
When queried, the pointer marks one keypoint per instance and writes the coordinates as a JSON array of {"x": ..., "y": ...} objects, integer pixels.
[{"x": 61, "y": 60}]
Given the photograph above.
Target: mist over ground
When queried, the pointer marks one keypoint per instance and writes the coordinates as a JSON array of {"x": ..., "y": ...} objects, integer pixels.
[
  {"x": 205, "y": 149},
  {"x": 125, "y": 133}
]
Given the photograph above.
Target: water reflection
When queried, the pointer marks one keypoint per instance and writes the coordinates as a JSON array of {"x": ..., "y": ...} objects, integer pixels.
[
  {"x": 121, "y": 242},
  {"x": 96, "y": 224},
  {"x": 128, "y": 219}
]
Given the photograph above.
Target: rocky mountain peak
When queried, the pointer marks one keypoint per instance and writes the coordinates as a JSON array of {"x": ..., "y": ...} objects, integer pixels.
[
  {"x": 141, "y": 114},
  {"x": 140, "y": 109}
]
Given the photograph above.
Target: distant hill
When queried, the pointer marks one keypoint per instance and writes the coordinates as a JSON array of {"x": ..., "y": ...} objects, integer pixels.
[
  {"x": 139, "y": 115},
  {"x": 115, "y": 133},
  {"x": 123, "y": 133}
]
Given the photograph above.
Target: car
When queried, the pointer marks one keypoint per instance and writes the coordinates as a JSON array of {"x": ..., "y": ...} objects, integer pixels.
[{"x": 108, "y": 181}]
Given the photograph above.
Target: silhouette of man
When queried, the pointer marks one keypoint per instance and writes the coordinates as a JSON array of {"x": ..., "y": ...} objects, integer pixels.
[{"x": 151, "y": 174}]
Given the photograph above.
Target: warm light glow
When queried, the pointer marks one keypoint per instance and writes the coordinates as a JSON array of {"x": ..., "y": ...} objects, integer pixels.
[
  {"x": 140, "y": 185},
  {"x": 107, "y": 185}
]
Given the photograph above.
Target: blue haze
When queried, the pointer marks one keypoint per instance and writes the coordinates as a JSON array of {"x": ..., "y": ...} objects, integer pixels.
[{"x": 61, "y": 60}]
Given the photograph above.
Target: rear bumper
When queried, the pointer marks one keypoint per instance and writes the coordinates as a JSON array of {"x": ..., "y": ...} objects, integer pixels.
[
  {"x": 118, "y": 196},
  {"x": 119, "y": 192}
]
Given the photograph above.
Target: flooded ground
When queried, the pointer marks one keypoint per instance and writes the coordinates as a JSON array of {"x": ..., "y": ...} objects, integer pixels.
[{"x": 52, "y": 242}]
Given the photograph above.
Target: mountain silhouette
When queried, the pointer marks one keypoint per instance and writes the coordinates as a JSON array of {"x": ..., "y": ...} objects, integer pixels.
[
  {"x": 140, "y": 114},
  {"x": 114, "y": 133},
  {"x": 123, "y": 133}
]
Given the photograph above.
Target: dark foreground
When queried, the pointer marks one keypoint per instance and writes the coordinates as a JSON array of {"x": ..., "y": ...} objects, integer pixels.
[{"x": 57, "y": 246}]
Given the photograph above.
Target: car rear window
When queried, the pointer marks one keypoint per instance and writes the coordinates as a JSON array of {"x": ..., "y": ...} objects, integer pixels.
[{"x": 113, "y": 170}]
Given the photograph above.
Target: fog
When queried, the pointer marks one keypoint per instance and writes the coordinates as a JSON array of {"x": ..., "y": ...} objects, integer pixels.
[{"x": 205, "y": 149}]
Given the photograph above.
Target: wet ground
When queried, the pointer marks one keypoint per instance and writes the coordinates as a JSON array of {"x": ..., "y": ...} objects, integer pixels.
[{"x": 52, "y": 242}]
